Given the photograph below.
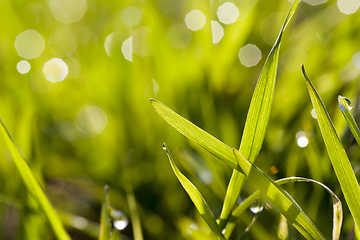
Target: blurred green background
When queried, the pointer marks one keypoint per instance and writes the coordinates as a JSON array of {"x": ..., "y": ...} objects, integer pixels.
[{"x": 75, "y": 83}]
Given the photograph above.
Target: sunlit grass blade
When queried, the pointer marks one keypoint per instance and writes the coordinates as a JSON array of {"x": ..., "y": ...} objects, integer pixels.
[
  {"x": 105, "y": 219},
  {"x": 196, "y": 134},
  {"x": 337, "y": 206},
  {"x": 33, "y": 185},
  {"x": 337, "y": 154},
  {"x": 345, "y": 107},
  {"x": 134, "y": 213},
  {"x": 257, "y": 119},
  {"x": 279, "y": 198},
  {"x": 196, "y": 198}
]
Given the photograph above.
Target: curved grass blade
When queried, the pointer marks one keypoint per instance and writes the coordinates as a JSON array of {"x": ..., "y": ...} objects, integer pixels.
[
  {"x": 33, "y": 185},
  {"x": 337, "y": 206},
  {"x": 134, "y": 213},
  {"x": 339, "y": 159},
  {"x": 105, "y": 219},
  {"x": 345, "y": 107},
  {"x": 196, "y": 134},
  {"x": 257, "y": 119},
  {"x": 279, "y": 198},
  {"x": 196, "y": 198}
]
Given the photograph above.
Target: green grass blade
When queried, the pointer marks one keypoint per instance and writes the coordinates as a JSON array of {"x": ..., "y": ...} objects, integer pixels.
[
  {"x": 33, "y": 185},
  {"x": 279, "y": 198},
  {"x": 105, "y": 219},
  {"x": 196, "y": 134},
  {"x": 339, "y": 159},
  {"x": 337, "y": 206},
  {"x": 345, "y": 107},
  {"x": 257, "y": 119},
  {"x": 196, "y": 198},
  {"x": 134, "y": 213},
  {"x": 115, "y": 235}
]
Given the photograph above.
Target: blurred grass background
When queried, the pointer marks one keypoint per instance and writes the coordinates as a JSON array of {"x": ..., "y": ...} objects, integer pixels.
[{"x": 96, "y": 126}]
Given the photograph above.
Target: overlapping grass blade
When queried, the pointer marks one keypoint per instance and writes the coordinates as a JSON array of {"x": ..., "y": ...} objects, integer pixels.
[
  {"x": 279, "y": 198},
  {"x": 345, "y": 107},
  {"x": 105, "y": 219},
  {"x": 134, "y": 213},
  {"x": 337, "y": 154},
  {"x": 196, "y": 134},
  {"x": 33, "y": 185},
  {"x": 257, "y": 119},
  {"x": 337, "y": 206},
  {"x": 196, "y": 198}
]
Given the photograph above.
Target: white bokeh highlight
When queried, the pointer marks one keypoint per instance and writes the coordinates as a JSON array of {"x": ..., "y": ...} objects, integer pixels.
[
  {"x": 23, "y": 66},
  {"x": 217, "y": 31},
  {"x": 249, "y": 55},
  {"x": 356, "y": 59},
  {"x": 29, "y": 44},
  {"x": 348, "y": 6},
  {"x": 127, "y": 49},
  {"x": 55, "y": 70},
  {"x": 68, "y": 11},
  {"x": 228, "y": 13},
  {"x": 195, "y": 20},
  {"x": 301, "y": 139},
  {"x": 131, "y": 16}
]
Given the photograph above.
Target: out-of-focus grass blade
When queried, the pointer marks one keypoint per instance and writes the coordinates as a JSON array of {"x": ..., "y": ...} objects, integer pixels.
[
  {"x": 33, "y": 185},
  {"x": 115, "y": 235},
  {"x": 345, "y": 106},
  {"x": 196, "y": 134},
  {"x": 105, "y": 219},
  {"x": 196, "y": 198},
  {"x": 134, "y": 213},
  {"x": 257, "y": 119},
  {"x": 337, "y": 206},
  {"x": 279, "y": 198},
  {"x": 336, "y": 151}
]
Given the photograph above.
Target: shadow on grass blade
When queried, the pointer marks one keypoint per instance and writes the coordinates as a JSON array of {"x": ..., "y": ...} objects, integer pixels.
[
  {"x": 33, "y": 185},
  {"x": 339, "y": 159},
  {"x": 196, "y": 198}
]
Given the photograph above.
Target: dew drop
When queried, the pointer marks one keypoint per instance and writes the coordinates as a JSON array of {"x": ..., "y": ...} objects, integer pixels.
[
  {"x": 120, "y": 219},
  {"x": 164, "y": 147},
  {"x": 348, "y": 104},
  {"x": 256, "y": 207}
]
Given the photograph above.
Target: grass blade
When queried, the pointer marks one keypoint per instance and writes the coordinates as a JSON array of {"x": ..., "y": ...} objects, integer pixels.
[
  {"x": 134, "y": 213},
  {"x": 337, "y": 206},
  {"x": 279, "y": 198},
  {"x": 105, "y": 219},
  {"x": 345, "y": 107},
  {"x": 339, "y": 159},
  {"x": 196, "y": 198},
  {"x": 257, "y": 119},
  {"x": 33, "y": 185},
  {"x": 196, "y": 134}
]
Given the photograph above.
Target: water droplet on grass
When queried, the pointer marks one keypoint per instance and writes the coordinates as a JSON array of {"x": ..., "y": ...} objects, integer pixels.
[
  {"x": 164, "y": 147},
  {"x": 348, "y": 104},
  {"x": 256, "y": 207},
  {"x": 120, "y": 219}
]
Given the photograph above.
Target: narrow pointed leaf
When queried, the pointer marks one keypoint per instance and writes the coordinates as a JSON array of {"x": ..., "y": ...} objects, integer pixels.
[
  {"x": 135, "y": 219},
  {"x": 196, "y": 198},
  {"x": 339, "y": 159},
  {"x": 33, "y": 185},
  {"x": 345, "y": 107},
  {"x": 337, "y": 206},
  {"x": 279, "y": 198},
  {"x": 257, "y": 119},
  {"x": 105, "y": 219},
  {"x": 196, "y": 134}
]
